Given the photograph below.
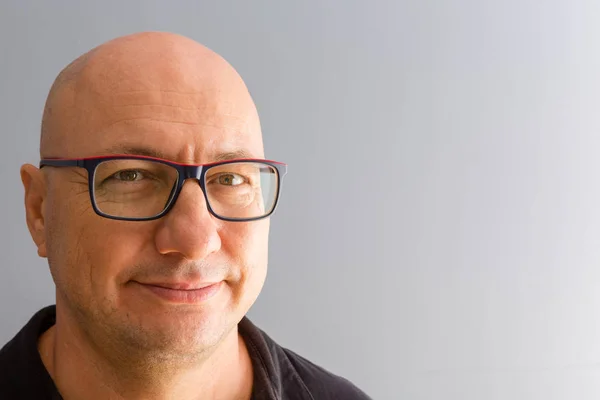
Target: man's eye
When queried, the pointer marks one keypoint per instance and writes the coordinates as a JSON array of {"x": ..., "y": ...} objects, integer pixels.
[
  {"x": 130, "y": 175},
  {"x": 230, "y": 179}
]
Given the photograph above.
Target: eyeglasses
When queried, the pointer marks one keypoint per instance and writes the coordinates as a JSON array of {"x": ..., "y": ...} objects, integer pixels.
[{"x": 140, "y": 188}]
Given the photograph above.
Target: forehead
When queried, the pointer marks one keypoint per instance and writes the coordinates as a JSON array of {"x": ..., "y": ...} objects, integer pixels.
[
  {"x": 187, "y": 117},
  {"x": 183, "y": 127}
]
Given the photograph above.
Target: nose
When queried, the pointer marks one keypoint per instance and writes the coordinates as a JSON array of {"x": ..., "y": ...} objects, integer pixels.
[{"x": 188, "y": 228}]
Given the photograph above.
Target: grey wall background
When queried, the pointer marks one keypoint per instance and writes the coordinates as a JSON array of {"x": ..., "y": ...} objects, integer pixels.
[{"x": 439, "y": 231}]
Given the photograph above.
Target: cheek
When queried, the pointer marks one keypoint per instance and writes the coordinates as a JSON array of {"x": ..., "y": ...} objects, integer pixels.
[
  {"x": 247, "y": 247},
  {"x": 86, "y": 252},
  {"x": 111, "y": 249},
  {"x": 246, "y": 242},
  {"x": 64, "y": 240}
]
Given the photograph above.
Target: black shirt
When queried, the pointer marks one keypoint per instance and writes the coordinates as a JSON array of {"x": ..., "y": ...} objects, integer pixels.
[{"x": 278, "y": 372}]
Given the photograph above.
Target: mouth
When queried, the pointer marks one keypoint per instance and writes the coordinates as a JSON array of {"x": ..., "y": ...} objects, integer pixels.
[{"x": 182, "y": 292}]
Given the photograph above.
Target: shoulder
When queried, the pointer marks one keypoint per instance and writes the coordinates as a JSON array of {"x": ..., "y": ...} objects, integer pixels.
[
  {"x": 22, "y": 373},
  {"x": 9, "y": 359},
  {"x": 323, "y": 383},
  {"x": 292, "y": 376}
]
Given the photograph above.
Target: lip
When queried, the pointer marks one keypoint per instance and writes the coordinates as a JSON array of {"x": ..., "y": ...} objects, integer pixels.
[
  {"x": 186, "y": 293},
  {"x": 181, "y": 285}
]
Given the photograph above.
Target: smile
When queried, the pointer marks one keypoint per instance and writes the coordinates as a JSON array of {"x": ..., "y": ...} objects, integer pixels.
[{"x": 179, "y": 293}]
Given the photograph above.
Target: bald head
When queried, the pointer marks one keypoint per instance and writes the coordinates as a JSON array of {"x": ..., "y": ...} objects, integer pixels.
[{"x": 189, "y": 82}]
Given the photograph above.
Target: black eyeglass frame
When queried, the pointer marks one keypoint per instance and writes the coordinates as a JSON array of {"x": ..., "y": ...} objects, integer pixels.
[{"x": 184, "y": 172}]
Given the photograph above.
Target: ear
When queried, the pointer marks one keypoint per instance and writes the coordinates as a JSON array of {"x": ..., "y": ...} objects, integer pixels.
[{"x": 35, "y": 196}]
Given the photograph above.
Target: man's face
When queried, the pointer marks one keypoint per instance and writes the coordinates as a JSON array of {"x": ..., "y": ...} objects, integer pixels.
[{"x": 102, "y": 267}]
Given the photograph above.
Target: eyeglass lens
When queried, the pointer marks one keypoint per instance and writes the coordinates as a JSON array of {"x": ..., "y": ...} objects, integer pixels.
[{"x": 144, "y": 188}]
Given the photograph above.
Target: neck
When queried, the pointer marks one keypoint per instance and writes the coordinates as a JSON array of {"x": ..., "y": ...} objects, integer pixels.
[{"x": 79, "y": 370}]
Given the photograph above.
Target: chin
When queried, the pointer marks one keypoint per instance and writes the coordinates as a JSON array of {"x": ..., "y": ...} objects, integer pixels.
[{"x": 176, "y": 335}]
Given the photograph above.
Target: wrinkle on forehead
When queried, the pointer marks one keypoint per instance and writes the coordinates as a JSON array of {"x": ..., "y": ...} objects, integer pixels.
[
  {"x": 191, "y": 108},
  {"x": 135, "y": 76}
]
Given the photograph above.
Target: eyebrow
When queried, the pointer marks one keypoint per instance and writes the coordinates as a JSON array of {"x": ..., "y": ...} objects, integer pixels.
[
  {"x": 150, "y": 152},
  {"x": 232, "y": 155},
  {"x": 136, "y": 151}
]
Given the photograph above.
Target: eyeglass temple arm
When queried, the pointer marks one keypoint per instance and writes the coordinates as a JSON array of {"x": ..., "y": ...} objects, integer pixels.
[{"x": 60, "y": 163}]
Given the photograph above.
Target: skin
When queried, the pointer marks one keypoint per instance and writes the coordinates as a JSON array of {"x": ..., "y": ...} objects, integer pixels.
[{"x": 113, "y": 338}]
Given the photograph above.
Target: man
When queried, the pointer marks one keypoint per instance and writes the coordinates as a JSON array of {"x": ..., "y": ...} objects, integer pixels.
[{"x": 151, "y": 205}]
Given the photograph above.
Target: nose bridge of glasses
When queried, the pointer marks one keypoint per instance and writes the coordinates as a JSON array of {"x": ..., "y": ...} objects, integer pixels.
[{"x": 192, "y": 171}]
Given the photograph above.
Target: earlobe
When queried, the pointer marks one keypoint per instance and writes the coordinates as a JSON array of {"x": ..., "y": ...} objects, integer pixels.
[
  {"x": 42, "y": 250},
  {"x": 35, "y": 196}
]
